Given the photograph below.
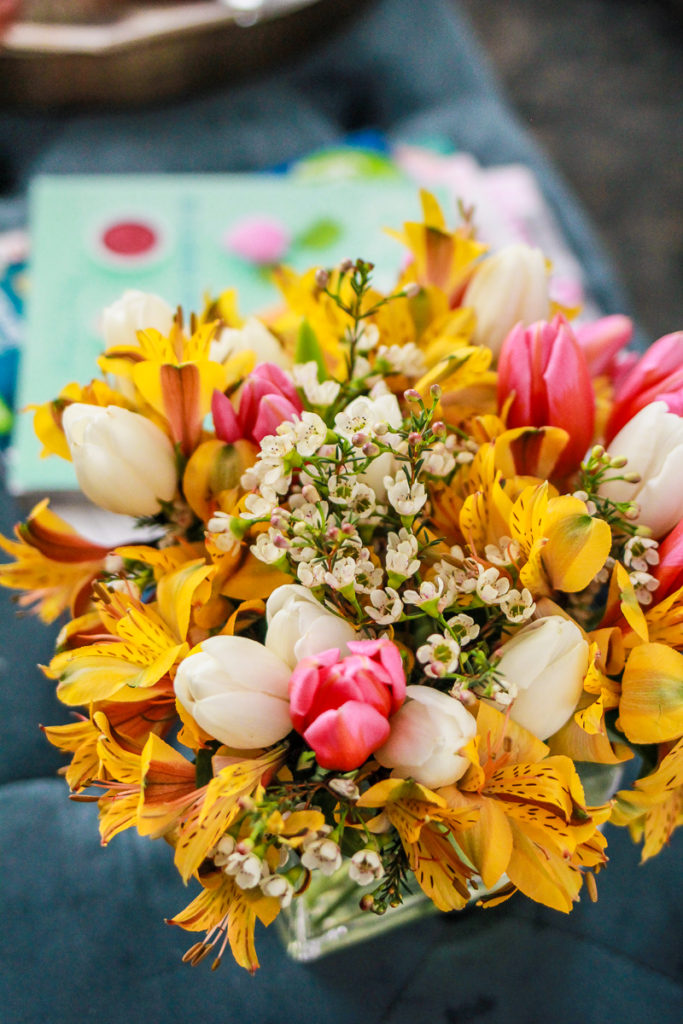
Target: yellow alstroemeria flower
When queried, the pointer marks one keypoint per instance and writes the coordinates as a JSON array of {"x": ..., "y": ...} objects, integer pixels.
[
  {"x": 426, "y": 825},
  {"x": 227, "y": 913},
  {"x": 53, "y": 564},
  {"x": 142, "y": 645},
  {"x": 443, "y": 258},
  {"x": 654, "y": 807},
  {"x": 532, "y": 824}
]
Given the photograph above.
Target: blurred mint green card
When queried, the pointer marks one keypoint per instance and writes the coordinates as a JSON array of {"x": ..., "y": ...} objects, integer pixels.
[{"x": 93, "y": 237}]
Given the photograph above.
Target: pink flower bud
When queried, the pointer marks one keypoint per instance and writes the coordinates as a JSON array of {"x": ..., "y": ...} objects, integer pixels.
[
  {"x": 546, "y": 369},
  {"x": 342, "y": 706},
  {"x": 656, "y": 377},
  {"x": 602, "y": 340},
  {"x": 267, "y": 399}
]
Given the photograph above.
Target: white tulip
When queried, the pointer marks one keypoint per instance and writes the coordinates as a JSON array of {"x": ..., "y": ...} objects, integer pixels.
[
  {"x": 237, "y": 691},
  {"x": 653, "y": 444},
  {"x": 299, "y": 626},
  {"x": 123, "y": 462},
  {"x": 427, "y": 734},
  {"x": 546, "y": 662},
  {"x": 508, "y": 288},
  {"x": 254, "y": 337},
  {"x": 134, "y": 312}
]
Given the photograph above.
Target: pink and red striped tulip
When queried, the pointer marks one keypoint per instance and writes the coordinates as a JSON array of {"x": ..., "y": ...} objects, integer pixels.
[
  {"x": 656, "y": 377},
  {"x": 342, "y": 706},
  {"x": 546, "y": 369},
  {"x": 266, "y": 400}
]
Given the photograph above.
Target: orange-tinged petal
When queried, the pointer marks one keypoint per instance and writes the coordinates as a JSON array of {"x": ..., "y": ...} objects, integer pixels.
[
  {"x": 530, "y": 451},
  {"x": 178, "y": 591},
  {"x": 527, "y": 870},
  {"x": 651, "y": 705},
  {"x": 488, "y": 844}
]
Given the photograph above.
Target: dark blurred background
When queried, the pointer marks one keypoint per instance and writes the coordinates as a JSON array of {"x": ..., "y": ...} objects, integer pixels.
[{"x": 599, "y": 84}]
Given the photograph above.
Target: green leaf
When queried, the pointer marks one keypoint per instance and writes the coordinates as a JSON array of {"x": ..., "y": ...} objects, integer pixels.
[{"x": 308, "y": 350}]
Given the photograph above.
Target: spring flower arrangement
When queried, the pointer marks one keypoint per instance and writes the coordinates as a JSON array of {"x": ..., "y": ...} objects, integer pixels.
[{"x": 417, "y": 557}]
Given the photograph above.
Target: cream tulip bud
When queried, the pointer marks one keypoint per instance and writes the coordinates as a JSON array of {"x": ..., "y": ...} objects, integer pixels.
[
  {"x": 546, "y": 662},
  {"x": 653, "y": 445},
  {"x": 427, "y": 734},
  {"x": 237, "y": 691},
  {"x": 134, "y": 311},
  {"x": 123, "y": 462},
  {"x": 508, "y": 288},
  {"x": 254, "y": 337},
  {"x": 299, "y": 626}
]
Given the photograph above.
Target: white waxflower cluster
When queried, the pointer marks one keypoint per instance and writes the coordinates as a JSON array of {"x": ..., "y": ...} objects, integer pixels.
[{"x": 640, "y": 555}]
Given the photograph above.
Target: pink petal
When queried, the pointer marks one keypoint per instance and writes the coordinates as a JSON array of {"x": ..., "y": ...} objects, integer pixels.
[
  {"x": 272, "y": 411},
  {"x": 224, "y": 419},
  {"x": 344, "y": 739}
]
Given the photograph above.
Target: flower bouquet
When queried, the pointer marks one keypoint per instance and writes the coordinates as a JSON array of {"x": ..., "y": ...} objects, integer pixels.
[{"x": 413, "y": 568}]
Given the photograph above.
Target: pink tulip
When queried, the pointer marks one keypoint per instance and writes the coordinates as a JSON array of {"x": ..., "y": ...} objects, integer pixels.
[
  {"x": 656, "y": 377},
  {"x": 267, "y": 398},
  {"x": 342, "y": 706},
  {"x": 545, "y": 368},
  {"x": 669, "y": 572},
  {"x": 602, "y": 342}
]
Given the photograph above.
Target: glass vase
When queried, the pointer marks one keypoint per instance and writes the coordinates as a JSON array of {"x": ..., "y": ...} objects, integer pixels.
[{"x": 327, "y": 916}]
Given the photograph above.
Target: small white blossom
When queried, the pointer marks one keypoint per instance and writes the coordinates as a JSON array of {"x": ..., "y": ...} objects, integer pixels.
[
  {"x": 400, "y": 557},
  {"x": 323, "y": 854},
  {"x": 368, "y": 575},
  {"x": 269, "y": 547},
  {"x": 640, "y": 553},
  {"x": 405, "y": 359},
  {"x": 386, "y": 608},
  {"x": 440, "y": 655},
  {"x": 439, "y": 461},
  {"x": 644, "y": 585},
  {"x": 406, "y": 498},
  {"x": 311, "y": 574},
  {"x": 345, "y": 788},
  {"x": 317, "y": 392},
  {"x": 342, "y": 574},
  {"x": 278, "y": 887},
  {"x": 464, "y": 627},
  {"x": 365, "y": 867},
  {"x": 505, "y": 552},
  {"x": 491, "y": 587},
  {"x": 225, "y": 847},
  {"x": 258, "y": 507},
  {"x": 311, "y": 432},
  {"x": 245, "y": 868},
  {"x": 518, "y": 606},
  {"x": 606, "y": 571}
]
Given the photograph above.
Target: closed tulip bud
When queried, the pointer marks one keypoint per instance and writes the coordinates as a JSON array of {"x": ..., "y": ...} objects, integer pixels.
[
  {"x": 427, "y": 734},
  {"x": 602, "y": 340},
  {"x": 300, "y": 626},
  {"x": 545, "y": 368},
  {"x": 656, "y": 377},
  {"x": 547, "y": 662},
  {"x": 508, "y": 288},
  {"x": 123, "y": 462},
  {"x": 134, "y": 311},
  {"x": 237, "y": 691},
  {"x": 266, "y": 400},
  {"x": 653, "y": 444}
]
